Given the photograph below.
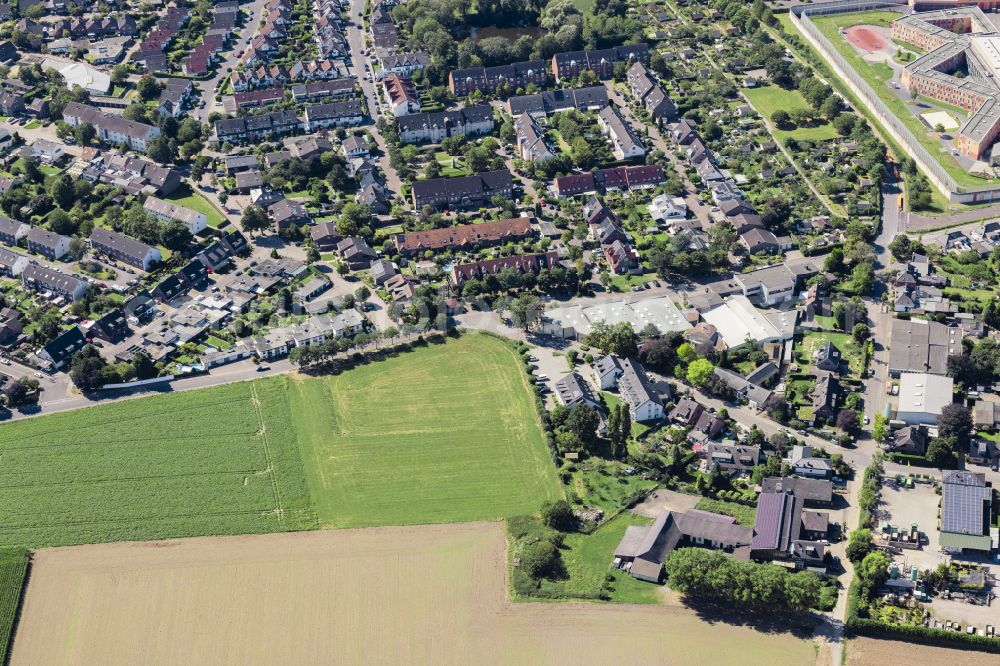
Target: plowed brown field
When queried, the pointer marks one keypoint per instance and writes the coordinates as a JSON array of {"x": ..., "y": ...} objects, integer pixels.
[{"x": 400, "y": 595}]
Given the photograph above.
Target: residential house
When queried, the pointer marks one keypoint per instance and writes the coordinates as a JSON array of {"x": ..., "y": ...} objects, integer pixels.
[
  {"x": 49, "y": 244},
  {"x": 804, "y": 463},
  {"x": 42, "y": 279},
  {"x": 63, "y": 348},
  {"x": 124, "y": 248},
  {"x": 464, "y": 191},
  {"x": 166, "y": 211}
]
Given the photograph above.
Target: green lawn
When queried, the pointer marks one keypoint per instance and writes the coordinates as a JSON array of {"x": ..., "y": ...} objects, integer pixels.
[
  {"x": 612, "y": 400},
  {"x": 13, "y": 573},
  {"x": 768, "y": 99},
  {"x": 850, "y": 351},
  {"x": 601, "y": 483},
  {"x": 744, "y": 515},
  {"x": 586, "y": 562},
  {"x": 877, "y": 74},
  {"x": 443, "y": 434},
  {"x": 184, "y": 196},
  {"x": 219, "y": 461},
  {"x": 452, "y": 167}
]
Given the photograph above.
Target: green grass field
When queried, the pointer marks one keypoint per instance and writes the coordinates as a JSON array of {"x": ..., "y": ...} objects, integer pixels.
[
  {"x": 744, "y": 515},
  {"x": 442, "y": 434},
  {"x": 185, "y": 196},
  {"x": 13, "y": 570},
  {"x": 768, "y": 99},
  {"x": 218, "y": 461},
  {"x": 850, "y": 351}
]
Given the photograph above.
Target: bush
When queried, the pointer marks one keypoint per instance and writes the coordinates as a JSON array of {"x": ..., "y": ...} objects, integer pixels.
[
  {"x": 558, "y": 515},
  {"x": 540, "y": 559}
]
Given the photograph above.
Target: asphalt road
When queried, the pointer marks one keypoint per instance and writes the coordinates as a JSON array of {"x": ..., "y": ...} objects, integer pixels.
[
  {"x": 240, "y": 43},
  {"x": 356, "y": 43}
]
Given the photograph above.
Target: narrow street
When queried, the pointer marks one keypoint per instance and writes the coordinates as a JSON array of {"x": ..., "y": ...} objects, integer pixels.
[
  {"x": 356, "y": 42},
  {"x": 230, "y": 61}
]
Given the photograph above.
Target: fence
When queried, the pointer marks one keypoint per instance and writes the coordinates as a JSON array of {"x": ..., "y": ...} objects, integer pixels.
[{"x": 893, "y": 124}]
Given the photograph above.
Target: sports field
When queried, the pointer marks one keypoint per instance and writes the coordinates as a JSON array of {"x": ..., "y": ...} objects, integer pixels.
[
  {"x": 447, "y": 433},
  {"x": 401, "y": 595}
]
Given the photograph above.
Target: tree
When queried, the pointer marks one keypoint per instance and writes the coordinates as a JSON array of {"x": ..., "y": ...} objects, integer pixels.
[
  {"x": 558, "y": 515},
  {"x": 942, "y": 453},
  {"x": 879, "y": 429},
  {"x": 859, "y": 544},
  {"x": 86, "y": 369},
  {"x": 525, "y": 311},
  {"x": 781, "y": 119},
  {"x": 620, "y": 339},
  {"x": 362, "y": 293},
  {"x": 254, "y": 219},
  {"x": 148, "y": 88},
  {"x": 659, "y": 354},
  {"x": 955, "y": 421},
  {"x": 77, "y": 248},
  {"x": 175, "y": 235},
  {"x": 62, "y": 223},
  {"x": 847, "y": 420},
  {"x": 860, "y": 333},
  {"x": 700, "y": 371},
  {"x": 540, "y": 559},
  {"x": 159, "y": 150},
  {"x": 22, "y": 391}
]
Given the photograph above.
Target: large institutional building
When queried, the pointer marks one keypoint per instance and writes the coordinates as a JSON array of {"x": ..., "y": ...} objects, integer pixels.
[{"x": 958, "y": 41}]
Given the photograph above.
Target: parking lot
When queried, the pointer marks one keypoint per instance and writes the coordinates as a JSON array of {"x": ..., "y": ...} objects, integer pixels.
[{"x": 903, "y": 506}]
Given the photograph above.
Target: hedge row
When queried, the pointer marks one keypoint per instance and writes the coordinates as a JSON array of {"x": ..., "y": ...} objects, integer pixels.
[{"x": 920, "y": 634}]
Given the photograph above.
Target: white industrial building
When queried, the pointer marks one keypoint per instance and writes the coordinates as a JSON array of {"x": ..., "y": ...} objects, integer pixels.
[
  {"x": 576, "y": 321},
  {"x": 736, "y": 320},
  {"x": 922, "y": 396}
]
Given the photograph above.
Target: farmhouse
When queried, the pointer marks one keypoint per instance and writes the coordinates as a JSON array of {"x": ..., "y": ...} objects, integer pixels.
[
  {"x": 809, "y": 491},
  {"x": 643, "y": 550}
]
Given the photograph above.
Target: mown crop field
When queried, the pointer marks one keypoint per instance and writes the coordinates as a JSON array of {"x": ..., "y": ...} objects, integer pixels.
[
  {"x": 446, "y": 433},
  {"x": 441, "y": 434},
  {"x": 218, "y": 461},
  {"x": 13, "y": 569}
]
